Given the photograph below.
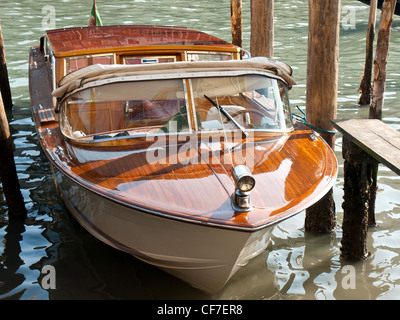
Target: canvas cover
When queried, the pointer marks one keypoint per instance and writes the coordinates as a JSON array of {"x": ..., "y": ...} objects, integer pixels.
[{"x": 97, "y": 73}]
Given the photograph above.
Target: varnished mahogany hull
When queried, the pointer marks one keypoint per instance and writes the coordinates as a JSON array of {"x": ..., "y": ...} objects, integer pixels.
[{"x": 204, "y": 257}]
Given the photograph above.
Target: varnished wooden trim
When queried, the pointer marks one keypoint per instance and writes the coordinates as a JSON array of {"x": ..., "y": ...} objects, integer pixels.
[{"x": 146, "y": 50}]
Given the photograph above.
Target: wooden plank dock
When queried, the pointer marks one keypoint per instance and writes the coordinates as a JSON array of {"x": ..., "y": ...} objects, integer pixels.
[{"x": 376, "y": 138}]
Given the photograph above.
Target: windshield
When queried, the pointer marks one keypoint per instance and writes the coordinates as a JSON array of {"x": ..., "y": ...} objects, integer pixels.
[
  {"x": 125, "y": 108},
  {"x": 252, "y": 102},
  {"x": 132, "y": 108}
]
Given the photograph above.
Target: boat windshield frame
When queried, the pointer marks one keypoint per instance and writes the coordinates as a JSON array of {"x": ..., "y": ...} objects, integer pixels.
[{"x": 192, "y": 113}]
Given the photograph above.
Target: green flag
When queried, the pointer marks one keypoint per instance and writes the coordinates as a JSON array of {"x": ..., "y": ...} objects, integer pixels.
[{"x": 95, "y": 19}]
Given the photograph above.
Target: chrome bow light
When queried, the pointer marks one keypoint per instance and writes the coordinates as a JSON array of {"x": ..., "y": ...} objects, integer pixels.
[{"x": 244, "y": 183}]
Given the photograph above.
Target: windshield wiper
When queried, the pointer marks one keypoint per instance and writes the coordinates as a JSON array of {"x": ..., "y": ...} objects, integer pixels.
[{"x": 228, "y": 116}]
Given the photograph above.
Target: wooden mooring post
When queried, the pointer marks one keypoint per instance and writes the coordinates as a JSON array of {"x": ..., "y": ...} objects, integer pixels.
[
  {"x": 364, "y": 142},
  {"x": 365, "y": 85},
  {"x": 4, "y": 82},
  {"x": 237, "y": 22},
  {"x": 364, "y": 145},
  {"x": 262, "y": 28},
  {"x": 380, "y": 61},
  {"x": 321, "y": 93},
  {"x": 378, "y": 90},
  {"x": 8, "y": 172}
]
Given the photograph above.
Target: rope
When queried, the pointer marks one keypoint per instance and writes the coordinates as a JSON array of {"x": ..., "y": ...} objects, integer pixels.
[{"x": 303, "y": 120}]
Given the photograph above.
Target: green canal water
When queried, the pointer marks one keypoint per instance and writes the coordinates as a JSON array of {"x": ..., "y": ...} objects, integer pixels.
[{"x": 296, "y": 265}]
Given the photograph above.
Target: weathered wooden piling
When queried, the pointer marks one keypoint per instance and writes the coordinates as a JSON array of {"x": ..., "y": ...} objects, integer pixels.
[
  {"x": 4, "y": 82},
  {"x": 355, "y": 202},
  {"x": 365, "y": 98},
  {"x": 8, "y": 172},
  {"x": 365, "y": 141},
  {"x": 321, "y": 94},
  {"x": 380, "y": 61},
  {"x": 360, "y": 172},
  {"x": 379, "y": 82},
  {"x": 262, "y": 28},
  {"x": 365, "y": 85},
  {"x": 237, "y": 22}
]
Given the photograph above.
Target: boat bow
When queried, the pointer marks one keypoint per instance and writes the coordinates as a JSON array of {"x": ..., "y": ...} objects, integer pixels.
[{"x": 193, "y": 181}]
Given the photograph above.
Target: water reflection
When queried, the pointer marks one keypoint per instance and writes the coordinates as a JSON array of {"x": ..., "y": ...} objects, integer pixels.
[
  {"x": 295, "y": 265},
  {"x": 10, "y": 278}
]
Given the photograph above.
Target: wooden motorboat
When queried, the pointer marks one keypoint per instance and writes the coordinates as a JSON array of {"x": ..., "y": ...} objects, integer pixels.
[{"x": 167, "y": 145}]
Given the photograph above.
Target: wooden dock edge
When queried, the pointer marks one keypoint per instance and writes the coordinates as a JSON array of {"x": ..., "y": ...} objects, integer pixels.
[{"x": 375, "y": 137}]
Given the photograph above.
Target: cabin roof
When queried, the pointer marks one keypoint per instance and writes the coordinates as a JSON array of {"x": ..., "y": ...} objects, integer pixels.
[{"x": 70, "y": 41}]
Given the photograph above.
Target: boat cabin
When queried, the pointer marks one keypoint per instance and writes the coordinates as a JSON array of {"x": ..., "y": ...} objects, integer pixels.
[
  {"x": 74, "y": 48},
  {"x": 108, "y": 102},
  {"x": 183, "y": 81}
]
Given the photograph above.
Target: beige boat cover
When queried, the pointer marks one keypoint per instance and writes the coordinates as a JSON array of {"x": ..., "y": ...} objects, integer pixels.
[{"x": 98, "y": 72}]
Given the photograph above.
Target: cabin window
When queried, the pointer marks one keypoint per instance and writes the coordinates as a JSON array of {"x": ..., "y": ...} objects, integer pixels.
[
  {"x": 75, "y": 63},
  {"x": 254, "y": 101},
  {"x": 209, "y": 56},
  {"x": 126, "y": 108},
  {"x": 149, "y": 60}
]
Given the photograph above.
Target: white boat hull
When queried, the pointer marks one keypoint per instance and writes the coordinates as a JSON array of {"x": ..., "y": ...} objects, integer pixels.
[{"x": 204, "y": 256}]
